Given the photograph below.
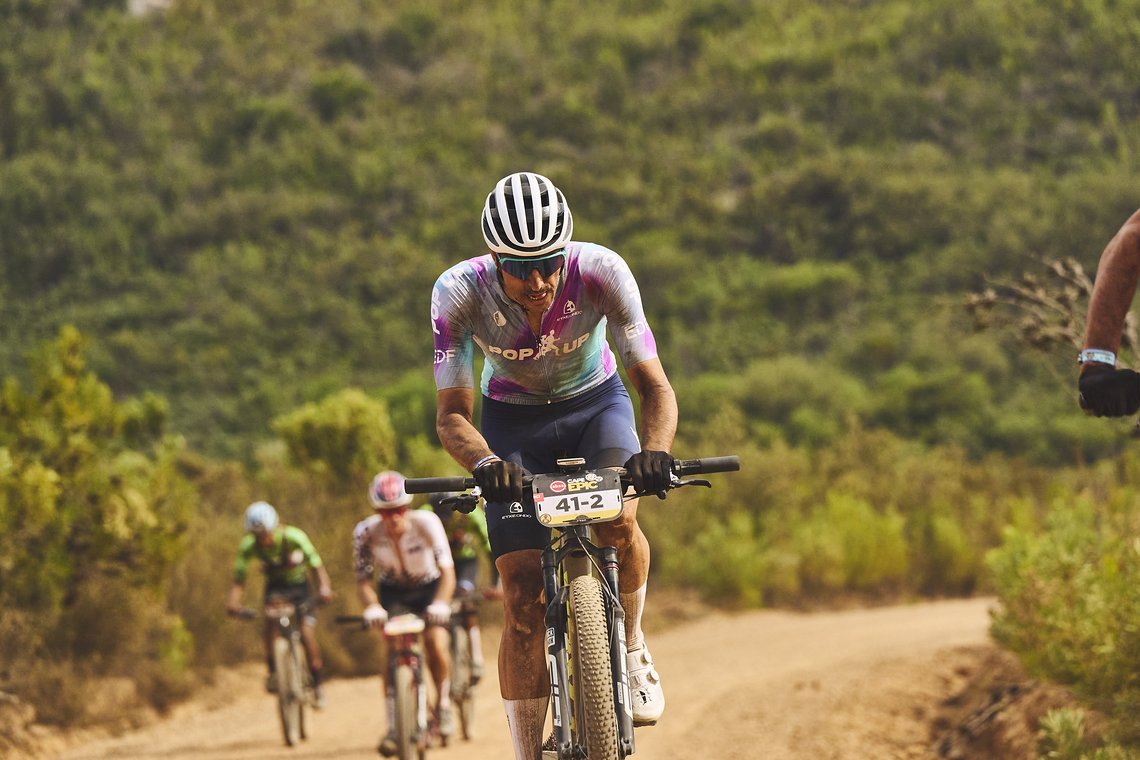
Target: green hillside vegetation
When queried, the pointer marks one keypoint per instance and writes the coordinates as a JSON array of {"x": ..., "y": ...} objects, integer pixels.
[{"x": 224, "y": 220}]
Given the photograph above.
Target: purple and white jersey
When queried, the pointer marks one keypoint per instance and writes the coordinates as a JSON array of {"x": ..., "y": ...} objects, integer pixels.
[{"x": 571, "y": 355}]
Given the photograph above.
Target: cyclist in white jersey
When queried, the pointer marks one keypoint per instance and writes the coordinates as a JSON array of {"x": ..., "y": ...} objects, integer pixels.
[
  {"x": 409, "y": 552},
  {"x": 538, "y": 305}
]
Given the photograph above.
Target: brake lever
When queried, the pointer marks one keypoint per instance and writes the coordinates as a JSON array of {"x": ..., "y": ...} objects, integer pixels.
[
  {"x": 676, "y": 483},
  {"x": 464, "y": 502}
]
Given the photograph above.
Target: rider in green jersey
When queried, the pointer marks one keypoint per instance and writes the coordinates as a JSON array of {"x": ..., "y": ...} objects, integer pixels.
[{"x": 287, "y": 555}]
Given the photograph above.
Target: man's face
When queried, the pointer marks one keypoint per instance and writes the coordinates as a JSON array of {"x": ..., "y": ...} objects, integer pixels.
[
  {"x": 534, "y": 291},
  {"x": 395, "y": 519},
  {"x": 264, "y": 538}
]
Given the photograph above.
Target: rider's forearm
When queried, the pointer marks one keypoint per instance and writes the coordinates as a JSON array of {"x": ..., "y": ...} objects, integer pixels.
[
  {"x": 323, "y": 578},
  {"x": 460, "y": 439},
  {"x": 658, "y": 410},
  {"x": 366, "y": 593},
  {"x": 446, "y": 589},
  {"x": 659, "y": 421},
  {"x": 1116, "y": 279}
]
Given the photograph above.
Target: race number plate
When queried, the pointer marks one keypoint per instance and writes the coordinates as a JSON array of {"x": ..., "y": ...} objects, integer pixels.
[{"x": 590, "y": 496}]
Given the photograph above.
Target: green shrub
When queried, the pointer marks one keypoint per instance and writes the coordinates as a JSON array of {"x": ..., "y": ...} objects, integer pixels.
[
  {"x": 844, "y": 544},
  {"x": 1070, "y": 603}
]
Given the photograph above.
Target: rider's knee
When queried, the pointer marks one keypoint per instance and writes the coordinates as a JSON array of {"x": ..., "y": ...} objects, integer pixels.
[
  {"x": 620, "y": 534},
  {"x": 524, "y": 609}
]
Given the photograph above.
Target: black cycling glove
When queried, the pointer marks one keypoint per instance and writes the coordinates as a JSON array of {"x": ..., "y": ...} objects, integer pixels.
[
  {"x": 650, "y": 471},
  {"x": 500, "y": 481},
  {"x": 1110, "y": 392}
]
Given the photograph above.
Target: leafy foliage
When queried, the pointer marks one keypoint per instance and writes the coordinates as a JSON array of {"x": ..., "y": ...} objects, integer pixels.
[
  {"x": 92, "y": 510},
  {"x": 270, "y": 190},
  {"x": 1069, "y": 600}
]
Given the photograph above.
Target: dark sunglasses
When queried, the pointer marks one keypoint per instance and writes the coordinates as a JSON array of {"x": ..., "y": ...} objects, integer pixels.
[
  {"x": 520, "y": 267},
  {"x": 393, "y": 512}
]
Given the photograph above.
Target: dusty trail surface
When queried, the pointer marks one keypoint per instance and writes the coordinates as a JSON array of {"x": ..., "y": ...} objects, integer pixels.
[{"x": 780, "y": 686}]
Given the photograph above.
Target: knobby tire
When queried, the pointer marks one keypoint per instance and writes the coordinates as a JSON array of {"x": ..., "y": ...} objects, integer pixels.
[
  {"x": 288, "y": 706},
  {"x": 406, "y": 708},
  {"x": 302, "y": 684},
  {"x": 594, "y": 690}
]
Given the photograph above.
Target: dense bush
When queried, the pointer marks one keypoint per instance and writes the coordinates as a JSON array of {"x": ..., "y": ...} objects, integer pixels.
[
  {"x": 1070, "y": 600},
  {"x": 93, "y": 510}
]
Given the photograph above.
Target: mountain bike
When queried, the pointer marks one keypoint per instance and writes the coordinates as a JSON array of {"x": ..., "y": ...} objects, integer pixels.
[
  {"x": 294, "y": 679},
  {"x": 590, "y": 703},
  {"x": 462, "y": 663},
  {"x": 415, "y": 728}
]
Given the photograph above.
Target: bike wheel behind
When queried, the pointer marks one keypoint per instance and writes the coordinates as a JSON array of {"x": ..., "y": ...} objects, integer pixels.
[
  {"x": 594, "y": 691},
  {"x": 407, "y": 732},
  {"x": 462, "y": 692},
  {"x": 290, "y": 691}
]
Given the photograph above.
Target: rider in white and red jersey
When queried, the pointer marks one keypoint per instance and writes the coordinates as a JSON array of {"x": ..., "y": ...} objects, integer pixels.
[
  {"x": 538, "y": 305},
  {"x": 408, "y": 550}
]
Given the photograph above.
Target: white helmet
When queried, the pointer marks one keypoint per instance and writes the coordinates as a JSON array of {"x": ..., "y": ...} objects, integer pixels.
[
  {"x": 260, "y": 517},
  {"x": 526, "y": 215},
  {"x": 387, "y": 491}
]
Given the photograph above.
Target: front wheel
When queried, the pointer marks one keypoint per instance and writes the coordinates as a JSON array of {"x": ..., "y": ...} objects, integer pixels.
[
  {"x": 406, "y": 708},
  {"x": 594, "y": 690},
  {"x": 289, "y": 691},
  {"x": 462, "y": 692}
]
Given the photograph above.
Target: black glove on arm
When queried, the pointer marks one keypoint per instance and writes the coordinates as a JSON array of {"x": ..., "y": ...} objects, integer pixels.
[
  {"x": 650, "y": 470},
  {"x": 499, "y": 480},
  {"x": 1110, "y": 392}
]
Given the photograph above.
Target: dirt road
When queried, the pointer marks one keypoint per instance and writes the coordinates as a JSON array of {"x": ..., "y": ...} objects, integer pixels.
[{"x": 780, "y": 686}]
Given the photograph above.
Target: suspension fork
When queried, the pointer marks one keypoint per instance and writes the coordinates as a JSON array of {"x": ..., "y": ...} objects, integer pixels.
[
  {"x": 619, "y": 669},
  {"x": 556, "y": 632}
]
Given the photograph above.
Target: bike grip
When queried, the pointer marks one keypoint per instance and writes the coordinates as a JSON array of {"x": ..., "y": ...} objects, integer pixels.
[
  {"x": 438, "y": 485},
  {"x": 706, "y": 465},
  {"x": 349, "y": 619}
]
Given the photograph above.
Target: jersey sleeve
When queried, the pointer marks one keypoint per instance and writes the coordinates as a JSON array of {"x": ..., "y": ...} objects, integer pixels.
[
  {"x": 362, "y": 560},
  {"x": 300, "y": 539},
  {"x": 614, "y": 290},
  {"x": 439, "y": 545},
  {"x": 241, "y": 563},
  {"x": 452, "y": 330}
]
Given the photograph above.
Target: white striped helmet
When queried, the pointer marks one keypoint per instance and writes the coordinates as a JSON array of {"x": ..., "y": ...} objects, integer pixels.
[{"x": 526, "y": 215}]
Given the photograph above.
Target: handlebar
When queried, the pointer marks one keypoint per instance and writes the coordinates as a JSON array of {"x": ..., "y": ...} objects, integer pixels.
[{"x": 681, "y": 467}]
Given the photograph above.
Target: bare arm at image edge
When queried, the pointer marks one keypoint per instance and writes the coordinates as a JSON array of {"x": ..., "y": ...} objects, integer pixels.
[{"x": 1117, "y": 275}]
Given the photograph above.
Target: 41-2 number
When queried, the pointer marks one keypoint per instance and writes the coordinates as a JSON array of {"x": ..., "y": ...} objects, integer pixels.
[{"x": 578, "y": 503}]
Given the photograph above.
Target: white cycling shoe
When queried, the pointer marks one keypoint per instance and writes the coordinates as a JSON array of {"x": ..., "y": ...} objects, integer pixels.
[{"x": 644, "y": 687}]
